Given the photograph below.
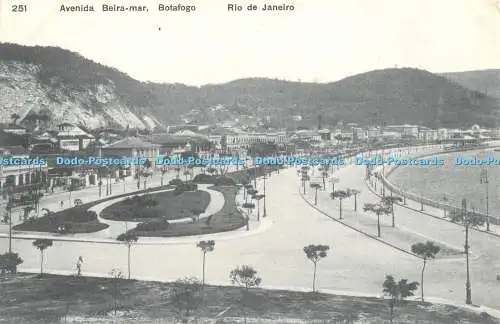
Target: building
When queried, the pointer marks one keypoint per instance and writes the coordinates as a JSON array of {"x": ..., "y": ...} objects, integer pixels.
[
  {"x": 428, "y": 135},
  {"x": 72, "y": 138},
  {"x": 20, "y": 177},
  {"x": 130, "y": 147}
]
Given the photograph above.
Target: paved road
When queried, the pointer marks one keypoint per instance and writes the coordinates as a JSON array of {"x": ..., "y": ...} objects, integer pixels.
[
  {"x": 444, "y": 278},
  {"x": 276, "y": 253},
  {"x": 354, "y": 263}
]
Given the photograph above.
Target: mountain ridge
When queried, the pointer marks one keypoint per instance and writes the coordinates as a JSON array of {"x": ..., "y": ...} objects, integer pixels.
[{"x": 74, "y": 89}]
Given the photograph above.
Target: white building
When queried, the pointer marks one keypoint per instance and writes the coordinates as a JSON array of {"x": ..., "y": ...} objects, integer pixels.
[
  {"x": 73, "y": 138},
  {"x": 20, "y": 175}
]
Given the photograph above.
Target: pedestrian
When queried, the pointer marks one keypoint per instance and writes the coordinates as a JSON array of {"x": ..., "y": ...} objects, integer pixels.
[
  {"x": 79, "y": 263},
  {"x": 62, "y": 204}
]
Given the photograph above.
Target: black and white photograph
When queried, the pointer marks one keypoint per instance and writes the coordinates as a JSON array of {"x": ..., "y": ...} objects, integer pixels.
[{"x": 257, "y": 161}]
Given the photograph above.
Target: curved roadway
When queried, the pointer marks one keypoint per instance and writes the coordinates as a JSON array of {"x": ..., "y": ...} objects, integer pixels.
[{"x": 355, "y": 263}]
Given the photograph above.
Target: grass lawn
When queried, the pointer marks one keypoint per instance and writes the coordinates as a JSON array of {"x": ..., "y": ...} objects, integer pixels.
[
  {"x": 227, "y": 219},
  {"x": 27, "y": 299},
  {"x": 170, "y": 206},
  {"x": 50, "y": 223}
]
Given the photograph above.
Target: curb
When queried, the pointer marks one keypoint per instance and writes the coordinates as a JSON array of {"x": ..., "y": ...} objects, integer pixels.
[{"x": 357, "y": 230}]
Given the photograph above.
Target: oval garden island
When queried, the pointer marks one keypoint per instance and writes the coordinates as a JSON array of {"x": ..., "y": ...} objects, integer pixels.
[{"x": 206, "y": 204}]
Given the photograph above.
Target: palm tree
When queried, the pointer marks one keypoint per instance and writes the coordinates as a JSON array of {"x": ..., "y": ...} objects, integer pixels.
[
  {"x": 129, "y": 239},
  {"x": 205, "y": 246},
  {"x": 341, "y": 195},
  {"x": 426, "y": 251},
  {"x": 377, "y": 209},
  {"x": 42, "y": 244},
  {"x": 316, "y": 187}
]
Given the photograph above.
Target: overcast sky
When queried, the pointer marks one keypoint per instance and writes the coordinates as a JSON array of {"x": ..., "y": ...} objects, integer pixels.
[{"x": 322, "y": 40}]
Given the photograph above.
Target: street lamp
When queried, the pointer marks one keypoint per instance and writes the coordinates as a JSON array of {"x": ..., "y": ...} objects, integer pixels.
[
  {"x": 265, "y": 209},
  {"x": 483, "y": 179},
  {"x": 468, "y": 291}
]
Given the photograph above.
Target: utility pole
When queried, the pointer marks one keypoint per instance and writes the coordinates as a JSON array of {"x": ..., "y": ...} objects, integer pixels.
[{"x": 483, "y": 179}]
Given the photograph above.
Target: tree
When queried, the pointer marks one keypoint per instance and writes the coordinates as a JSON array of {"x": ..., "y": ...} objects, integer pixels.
[
  {"x": 9, "y": 262},
  {"x": 26, "y": 211},
  {"x": 186, "y": 174},
  {"x": 163, "y": 171},
  {"x": 117, "y": 276},
  {"x": 389, "y": 202},
  {"x": 186, "y": 297},
  {"x": 249, "y": 207},
  {"x": 426, "y": 251},
  {"x": 246, "y": 277},
  {"x": 15, "y": 117},
  {"x": 397, "y": 291},
  {"x": 355, "y": 193},
  {"x": 315, "y": 253},
  {"x": 196, "y": 213},
  {"x": 469, "y": 220},
  {"x": 42, "y": 244},
  {"x": 377, "y": 209},
  {"x": 304, "y": 178},
  {"x": 316, "y": 187},
  {"x": 248, "y": 187},
  {"x": 341, "y": 195},
  {"x": 258, "y": 198},
  {"x": 324, "y": 175},
  {"x": 129, "y": 239},
  {"x": 205, "y": 246},
  {"x": 245, "y": 182}
]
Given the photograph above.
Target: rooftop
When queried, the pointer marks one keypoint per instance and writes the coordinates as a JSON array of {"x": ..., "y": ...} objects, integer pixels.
[
  {"x": 131, "y": 142},
  {"x": 13, "y": 151}
]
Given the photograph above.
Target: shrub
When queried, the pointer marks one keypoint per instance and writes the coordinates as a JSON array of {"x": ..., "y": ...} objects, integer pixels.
[
  {"x": 80, "y": 215},
  {"x": 186, "y": 186},
  {"x": 147, "y": 213},
  {"x": 175, "y": 182},
  {"x": 153, "y": 226},
  {"x": 204, "y": 178},
  {"x": 225, "y": 181}
]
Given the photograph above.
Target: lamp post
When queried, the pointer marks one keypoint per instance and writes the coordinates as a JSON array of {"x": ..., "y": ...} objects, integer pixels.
[
  {"x": 110, "y": 183},
  {"x": 107, "y": 185},
  {"x": 265, "y": 209},
  {"x": 483, "y": 179},
  {"x": 468, "y": 292}
]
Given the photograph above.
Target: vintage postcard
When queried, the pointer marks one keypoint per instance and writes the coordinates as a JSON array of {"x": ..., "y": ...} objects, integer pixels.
[{"x": 249, "y": 161}]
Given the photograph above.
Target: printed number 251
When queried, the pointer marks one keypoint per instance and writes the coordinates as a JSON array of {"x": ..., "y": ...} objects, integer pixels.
[{"x": 19, "y": 8}]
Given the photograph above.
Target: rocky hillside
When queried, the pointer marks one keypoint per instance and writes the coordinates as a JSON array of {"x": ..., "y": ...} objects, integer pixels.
[{"x": 70, "y": 88}]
